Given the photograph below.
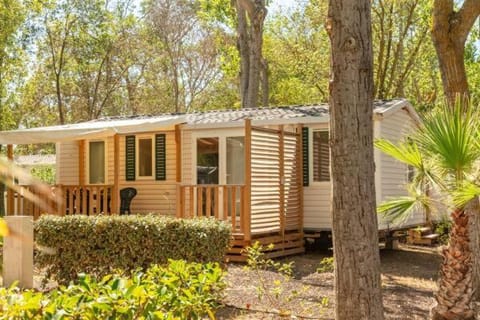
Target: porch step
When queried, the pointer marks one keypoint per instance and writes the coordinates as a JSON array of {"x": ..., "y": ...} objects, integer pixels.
[
  {"x": 422, "y": 236},
  {"x": 288, "y": 244}
]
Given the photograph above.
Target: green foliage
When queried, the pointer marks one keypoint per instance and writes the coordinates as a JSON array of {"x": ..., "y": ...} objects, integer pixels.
[
  {"x": 45, "y": 174},
  {"x": 276, "y": 294},
  {"x": 443, "y": 228},
  {"x": 326, "y": 265},
  {"x": 179, "y": 290},
  {"x": 100, "y": 244}
]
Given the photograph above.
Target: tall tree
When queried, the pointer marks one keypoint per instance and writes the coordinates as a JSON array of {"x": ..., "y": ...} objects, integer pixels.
[
  {"x": 253, "y": 67},
  {"x": 450, "y": 30},
  {"x": 186, "y": 50},
  {"x": 354, "y": 220}
]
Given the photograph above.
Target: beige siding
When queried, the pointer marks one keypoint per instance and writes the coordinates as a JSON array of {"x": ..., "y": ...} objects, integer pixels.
[
  {"x": 390, "y": 177},
  {"x": 67, "y": 163},
  {"x": 316, "y": 197},
  {"x": 187, "y": 161},
  {"x": 393, "y": 177},
  {"x": 152, "y": 196}
]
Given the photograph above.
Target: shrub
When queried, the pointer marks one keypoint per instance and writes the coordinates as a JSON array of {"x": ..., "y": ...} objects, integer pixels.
[
  {"x": 442, "y": 228},
  {"x": 179, "y": 291},
  {"x": 326, "y": 265},
  {"x": 100, "y": 244}
]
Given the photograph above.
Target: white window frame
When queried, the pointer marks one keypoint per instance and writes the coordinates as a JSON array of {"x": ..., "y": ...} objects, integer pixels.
[
  {"x": 87, "y": 162},
  {"x": 311, "y": 130},
  {"x": 137, "y": 156},
  {"x": 222, "y": 136}
]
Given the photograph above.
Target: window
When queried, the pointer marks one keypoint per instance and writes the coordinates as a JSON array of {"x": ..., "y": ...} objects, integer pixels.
[
  {"x": 321, "y": 156},
  {"x": 235, "y": 160},
  {"x": 207, "y": 160},
  {"x": 145, "y": 157},
  {"x": 96, "y": 162}
]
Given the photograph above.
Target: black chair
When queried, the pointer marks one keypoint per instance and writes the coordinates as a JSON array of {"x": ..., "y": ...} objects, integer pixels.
[{"x": 126, "y": 196}]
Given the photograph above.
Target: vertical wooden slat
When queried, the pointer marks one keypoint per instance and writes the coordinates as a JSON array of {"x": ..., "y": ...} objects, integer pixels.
[
  {"x": 116, "y": 176},
  {"x": 179, "y": 200},
  {"x": 91, "y": 204},
  {"x": 208, "y": 206},
  {"x": 10, "y": 193},
  {"x": 63, "y": 199},
  {"x": 192, "y": 202},
  {"x": 300, "y": 174},
  {"x": 225, "y": 202},
  {"x": 83, "y": 192},
  {"x": 248, "y": 180},
  {"x": 216, "y": 201},
  {"x": 71, "y": 205},
  {"x": 199, "y": 201},
  {"x": 281, "y": 157},
  {"x": 242, "y": 209},
  {"x": 234, "y": 208}
]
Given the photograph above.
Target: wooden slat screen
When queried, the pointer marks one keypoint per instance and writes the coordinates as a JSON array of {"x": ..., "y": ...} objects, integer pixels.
[
  {"x": 266, "y": 177},
  {"x": 321, "y": 156},
  {"x": 291, "y": 184}
]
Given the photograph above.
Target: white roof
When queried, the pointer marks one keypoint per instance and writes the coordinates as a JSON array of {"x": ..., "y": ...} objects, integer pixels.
[
  {"x": 89, "y": 130},
  {"x": 102, "y": 128}
]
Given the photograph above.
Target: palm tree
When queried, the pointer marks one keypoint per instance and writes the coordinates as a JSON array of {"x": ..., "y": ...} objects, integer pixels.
[{"x": 445, "y": 152}]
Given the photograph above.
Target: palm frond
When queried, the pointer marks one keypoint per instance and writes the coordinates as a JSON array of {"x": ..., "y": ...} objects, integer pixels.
[
  {"x": 450, "y": 136},
  {"x": 399, "y": 209},
  {"x": 465, "y": 193},
  {"x": 405, "y": 152}
]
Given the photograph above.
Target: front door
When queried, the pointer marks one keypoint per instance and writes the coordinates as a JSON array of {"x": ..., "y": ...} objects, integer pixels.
[{"x": 220, "y": 160}]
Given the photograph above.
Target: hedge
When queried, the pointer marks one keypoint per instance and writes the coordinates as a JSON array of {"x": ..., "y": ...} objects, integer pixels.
[
  {"x": 98, "y": 245},
  {"x": 179, "y": 290}
]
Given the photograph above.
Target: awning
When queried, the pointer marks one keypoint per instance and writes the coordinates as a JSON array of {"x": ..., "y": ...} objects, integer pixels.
[{"x": 95, "y": 129}]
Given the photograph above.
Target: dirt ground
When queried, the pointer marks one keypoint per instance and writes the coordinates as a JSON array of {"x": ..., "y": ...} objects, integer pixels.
[{"x": 408, "y": 279}]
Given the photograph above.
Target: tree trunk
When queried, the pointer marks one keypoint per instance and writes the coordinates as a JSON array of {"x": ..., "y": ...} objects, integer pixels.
[
  {"x": 452, "y": 67},
  {"x": 473, "y": 210},
  {"x": 455, "y": 292},
  {"x": 250, "y": 43},
  {"x": 2, "y": 194},
  {"x": 243, "y": 49},
  {"x": 450, "y": 31},
  {"x": 354, "y": 219}
]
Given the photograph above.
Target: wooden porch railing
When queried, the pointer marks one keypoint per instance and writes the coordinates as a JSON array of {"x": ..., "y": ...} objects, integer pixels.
[
  {"x": 65, "y": 200},
  {"x": 224, "y": 202}
]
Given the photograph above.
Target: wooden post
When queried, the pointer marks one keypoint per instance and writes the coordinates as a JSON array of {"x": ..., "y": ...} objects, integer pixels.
[
  {"x": 248, "y": 180},
  {"x": 300, "y": 176},
  {"x": 116, "y": 173},
  {"x": 10, "y": 193},
  {"x": 281, "y": 169},
  {"x": 81, "y": 163},
  {"x": 18, "y": 252},
  {"x": 178, "y": 171}
]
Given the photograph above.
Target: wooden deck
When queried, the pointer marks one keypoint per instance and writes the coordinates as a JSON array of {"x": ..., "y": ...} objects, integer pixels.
[
  {"x": 64, "y": 200},
  {"x": 268, "y": 208}
]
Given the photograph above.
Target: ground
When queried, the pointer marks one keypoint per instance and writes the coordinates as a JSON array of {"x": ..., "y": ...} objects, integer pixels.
[{"x": 408, "y": 279}]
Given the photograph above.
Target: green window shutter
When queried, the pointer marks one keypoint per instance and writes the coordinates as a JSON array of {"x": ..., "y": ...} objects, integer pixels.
[
  {"x": 130, "y": 158},
  {"x": 160, "y": 157},
  {"x": 306, "y": 167}
]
